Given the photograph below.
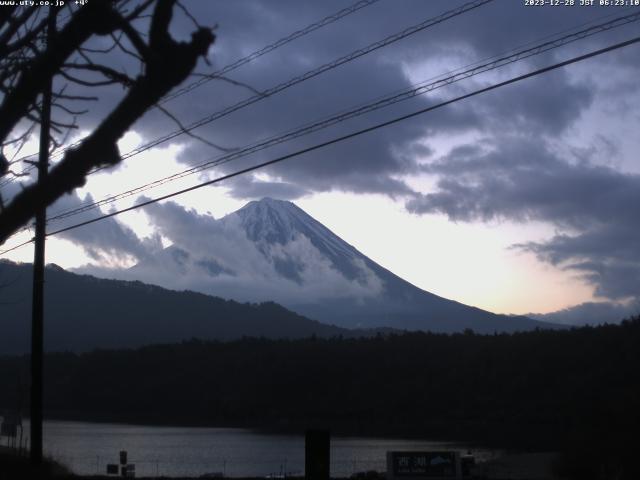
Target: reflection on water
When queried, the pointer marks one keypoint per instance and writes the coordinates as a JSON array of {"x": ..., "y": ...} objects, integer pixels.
[{"x": 86, "y": 448}]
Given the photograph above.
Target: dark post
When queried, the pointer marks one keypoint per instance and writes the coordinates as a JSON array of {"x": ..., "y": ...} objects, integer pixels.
[
  {"x": 316, "y": 455},
  {"x": 37, "y": 328}
]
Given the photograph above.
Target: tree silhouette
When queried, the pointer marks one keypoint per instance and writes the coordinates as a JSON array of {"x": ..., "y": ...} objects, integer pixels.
[{"x": 27, "y": 64}]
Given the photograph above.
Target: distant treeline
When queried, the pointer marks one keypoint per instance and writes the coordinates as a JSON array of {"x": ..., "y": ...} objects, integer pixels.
[{"x": 539, "y": 389}]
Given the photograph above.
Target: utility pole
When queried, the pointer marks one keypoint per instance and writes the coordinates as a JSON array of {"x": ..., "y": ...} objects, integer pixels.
[{"x": 37, "y": 312}]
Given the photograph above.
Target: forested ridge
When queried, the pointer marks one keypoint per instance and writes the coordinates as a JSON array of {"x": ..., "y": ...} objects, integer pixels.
[
  {"x": 538, "y": 389},
  {"x": 85, "y": 312}
]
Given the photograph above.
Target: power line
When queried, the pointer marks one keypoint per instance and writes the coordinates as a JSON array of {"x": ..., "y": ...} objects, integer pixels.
[
  {"x": 295, "y": 80},
  {"x": 348, "y": 136},
  {"x": 415, "y": 90},
  {"x": 311, "y": 74},
  {"x": 15, "y": 247},
  {"x": 237, "y": 63},
  {"x": 269, "y": 48},
  {"x": 358, "y": 133},
  {"x": 304, "y": 77}
]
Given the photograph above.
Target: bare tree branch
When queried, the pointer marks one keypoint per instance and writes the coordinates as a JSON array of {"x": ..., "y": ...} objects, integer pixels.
[
  {"x": 86, "y": 83},
  {"x": 167, "y": 63},
  {"x": 108, "y": 72},
  {"x": 12, "y": 29},
  {"x": 190, "y": 133},
  {"x": 188, "y": 14},
  {"x": 91, "y": 19},
  {"x": 138, "y": 10},
  {"x": 118, "y": 41}
]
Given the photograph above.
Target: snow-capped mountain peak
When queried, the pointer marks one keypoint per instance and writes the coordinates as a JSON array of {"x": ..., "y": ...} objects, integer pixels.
[
  {"x": 269, "y": 221},
  {"x": 273, "y": 250}
]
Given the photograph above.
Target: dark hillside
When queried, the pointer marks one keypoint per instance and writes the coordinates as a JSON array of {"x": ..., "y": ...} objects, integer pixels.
[{"x": 84, "y": 312}]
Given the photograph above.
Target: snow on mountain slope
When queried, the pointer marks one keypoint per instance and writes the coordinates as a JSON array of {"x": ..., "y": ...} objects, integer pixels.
[
  {"x": 275, "y": 226},
  {"x": 266, "y": 251},
  {"x": 271, "y": 221},
  {"x": 273, "y": 250}
]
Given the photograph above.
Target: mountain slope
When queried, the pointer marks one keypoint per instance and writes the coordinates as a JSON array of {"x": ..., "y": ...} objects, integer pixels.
[
  {"x": 84, "y": 312},
  {"x": 285, "y": 255}
]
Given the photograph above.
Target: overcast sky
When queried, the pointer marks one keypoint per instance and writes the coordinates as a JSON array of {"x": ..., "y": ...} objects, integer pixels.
[{"x": 524, "y": 199}]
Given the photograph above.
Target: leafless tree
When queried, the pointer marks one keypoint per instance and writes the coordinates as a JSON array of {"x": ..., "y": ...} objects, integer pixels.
[{"x": 138, "y": 29}]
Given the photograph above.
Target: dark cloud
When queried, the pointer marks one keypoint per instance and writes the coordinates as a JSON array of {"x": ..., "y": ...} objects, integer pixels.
[
  {"x": 606, "y": 256},
  {"x": 548, "y": 105},
  {"x": 335, "y": 168},
  {"x": 511, "y": 174},
  {"x": 522, "y": 179},
  {"x": 245, "y": 26},
  {"x": 372, "y": 163},
  {"x": 596, "y": 206},
  {"x": 246, "y": 187}
]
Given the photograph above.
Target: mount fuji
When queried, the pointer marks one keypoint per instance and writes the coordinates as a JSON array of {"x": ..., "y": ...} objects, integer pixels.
[{"x": 271, "y": 250}]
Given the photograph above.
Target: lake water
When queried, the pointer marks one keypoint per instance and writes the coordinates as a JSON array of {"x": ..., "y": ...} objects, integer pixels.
[{"x": 86, "y": 448}]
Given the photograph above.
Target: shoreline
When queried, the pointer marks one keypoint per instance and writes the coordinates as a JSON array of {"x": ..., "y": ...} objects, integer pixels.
[
  {"x": 507, "y": 443},
  {"x": 525, "y": 466}
]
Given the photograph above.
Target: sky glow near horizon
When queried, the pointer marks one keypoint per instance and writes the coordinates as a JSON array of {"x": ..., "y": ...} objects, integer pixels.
[{"x": 444, "y": 200}]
